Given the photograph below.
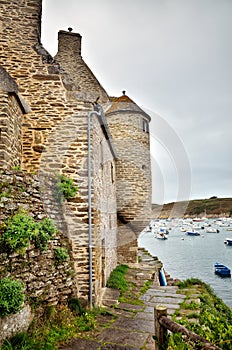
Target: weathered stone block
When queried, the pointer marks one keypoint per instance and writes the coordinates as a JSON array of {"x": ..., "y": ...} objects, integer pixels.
[{"x": 13, "y": 324}]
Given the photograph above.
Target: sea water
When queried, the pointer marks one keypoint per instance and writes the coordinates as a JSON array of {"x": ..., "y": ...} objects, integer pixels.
[{"x": 186, "y": 256}]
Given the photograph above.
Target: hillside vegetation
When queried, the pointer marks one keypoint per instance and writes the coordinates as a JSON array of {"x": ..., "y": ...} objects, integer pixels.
[{"x": 212, "y": 207}]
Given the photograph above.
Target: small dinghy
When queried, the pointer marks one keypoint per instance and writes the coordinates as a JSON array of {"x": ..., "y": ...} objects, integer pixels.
[{"x": 222, "y": 270}]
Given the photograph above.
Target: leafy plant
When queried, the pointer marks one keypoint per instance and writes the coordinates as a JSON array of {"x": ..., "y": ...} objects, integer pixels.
[
  {"x": 85, "y": 322},
  {"x": 18, "y": 232},
  {"x": 65, "y": 188},
  {"x": 11, "y": 296},
  {"x": 46, "y": 229},
  {"x": 21, "y": 230},
  {"x": 61, "y": 254}
]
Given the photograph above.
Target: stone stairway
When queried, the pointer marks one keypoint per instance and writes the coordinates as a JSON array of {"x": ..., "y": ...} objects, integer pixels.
[{"x": 132, "y": 327}]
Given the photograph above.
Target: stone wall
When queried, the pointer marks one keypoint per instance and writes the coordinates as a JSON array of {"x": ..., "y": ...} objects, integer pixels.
[
  {"x": 11, "y": 118},
  {"x": 54, "y": 140},
  {"x": 104, "y": 207},
  {"x": 42, "y": 83},
  {"x": 68, "y": 151},
  {"x": 45, "y": 279},
  {"x": 54, "y": 134},
  {"x": 10, "y": 131},
  {"x": 133, "y": 167},
  {"x": 129, "y": 128}
]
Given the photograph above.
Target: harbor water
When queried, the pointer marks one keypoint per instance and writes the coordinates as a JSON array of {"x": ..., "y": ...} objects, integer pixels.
[{"x": 185, "y": 256}]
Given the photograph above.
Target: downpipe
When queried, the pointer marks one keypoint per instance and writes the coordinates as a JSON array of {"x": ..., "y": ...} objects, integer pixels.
[{"x": 90, "y": 115}]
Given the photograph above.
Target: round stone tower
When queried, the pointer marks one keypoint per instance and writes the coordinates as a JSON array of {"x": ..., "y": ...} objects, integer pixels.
[{"x": 129, "y": 127}]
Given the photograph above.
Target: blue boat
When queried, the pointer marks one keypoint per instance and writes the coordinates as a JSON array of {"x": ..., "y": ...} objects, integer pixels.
[
  {"x": 222, "y": 270},
  {"x": 193, "y": 233}
]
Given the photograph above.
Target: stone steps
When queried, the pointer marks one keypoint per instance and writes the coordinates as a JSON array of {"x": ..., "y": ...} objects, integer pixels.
[{"x": 134, "y": 328}]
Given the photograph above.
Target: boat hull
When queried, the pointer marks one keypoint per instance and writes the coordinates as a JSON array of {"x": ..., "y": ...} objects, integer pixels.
[
  {"x": 222, "y": 270},
  {"x": 228, "y": 241},
  {"x": 192, "y": 233}
]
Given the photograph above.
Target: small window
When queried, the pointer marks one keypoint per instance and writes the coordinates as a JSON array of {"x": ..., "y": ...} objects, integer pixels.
[
  {"x": 101, "y": 153},
  {"x": 145, "y": 125},
  {"x": 112, "y": 173}
]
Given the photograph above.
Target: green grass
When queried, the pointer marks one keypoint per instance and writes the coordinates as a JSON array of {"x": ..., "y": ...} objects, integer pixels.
[
  {"x": 146, "y": 286},
  {"x": 189, "y": 306},
  {"x": 214, "y": 318},
  {"x": 117, "y": 279},
  {"x": 56, "y": 326}
]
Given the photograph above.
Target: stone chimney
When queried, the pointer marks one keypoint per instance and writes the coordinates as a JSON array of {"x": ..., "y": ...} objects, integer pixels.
[
  {"x": 69, "y": 57},
  {"x": 69, "y": 42}
]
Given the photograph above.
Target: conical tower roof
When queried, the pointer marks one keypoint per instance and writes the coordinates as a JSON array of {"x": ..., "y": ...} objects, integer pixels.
[{"x": 124, "y": 104}]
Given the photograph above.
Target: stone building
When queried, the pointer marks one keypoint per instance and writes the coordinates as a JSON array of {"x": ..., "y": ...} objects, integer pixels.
[{"x": 45, "y": 105}]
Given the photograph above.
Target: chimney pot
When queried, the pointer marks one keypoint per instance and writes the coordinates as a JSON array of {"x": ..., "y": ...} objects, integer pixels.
[{"x": 69, "y": 42}]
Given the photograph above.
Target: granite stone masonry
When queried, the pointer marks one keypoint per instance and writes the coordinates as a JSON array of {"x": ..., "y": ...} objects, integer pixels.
[
  {"x": 44, "y": 107},
  {"x": 45, "y": 280}
]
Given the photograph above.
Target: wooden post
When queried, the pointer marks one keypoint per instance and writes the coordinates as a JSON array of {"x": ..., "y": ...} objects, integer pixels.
[{"x": 161, "y": 332}]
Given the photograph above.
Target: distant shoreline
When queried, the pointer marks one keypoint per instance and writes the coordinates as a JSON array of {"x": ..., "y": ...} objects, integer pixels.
[{"x": 210, "y": 208}]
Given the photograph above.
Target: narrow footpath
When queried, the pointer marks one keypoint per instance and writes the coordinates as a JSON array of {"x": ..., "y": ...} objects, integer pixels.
[{"x": 130, "y": 326}]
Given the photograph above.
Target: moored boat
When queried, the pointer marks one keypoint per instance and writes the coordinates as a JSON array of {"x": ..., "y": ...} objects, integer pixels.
[
  {"x": 228, "y": 241},
  {"x": 161, "y": 235},
  {"x": 193, "y": 233},
  {"x": 222, "y": 270},
  {"x": 212, "y": 230}
]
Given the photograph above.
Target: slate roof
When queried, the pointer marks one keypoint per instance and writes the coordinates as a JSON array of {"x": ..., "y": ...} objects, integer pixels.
[{"x": 124, "y": 104}]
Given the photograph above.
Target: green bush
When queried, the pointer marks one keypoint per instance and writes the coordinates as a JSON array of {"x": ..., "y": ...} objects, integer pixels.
[
  {"x": 17, "y": 233},
  {"x": 11, "y": 296},
  {"x": 46, "y": 230},
  {"x": 117, "y": 278},
  {"x": 61, "y": 254},
  {"x": 65, "y": 188},
  {"x": 21, "y": 230}
]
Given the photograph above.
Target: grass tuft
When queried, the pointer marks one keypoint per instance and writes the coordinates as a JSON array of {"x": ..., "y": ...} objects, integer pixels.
[{"x": 117, "y": 279}]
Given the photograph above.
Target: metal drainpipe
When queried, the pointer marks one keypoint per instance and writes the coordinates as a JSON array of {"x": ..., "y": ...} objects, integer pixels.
[{"x": 90, "y": 114}]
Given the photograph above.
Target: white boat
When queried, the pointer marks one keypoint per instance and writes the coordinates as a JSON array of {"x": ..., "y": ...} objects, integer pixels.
[
  {"x": 212, "y": 230},
  {"x": 228, "y": 241},
  {"x": 197, "y": 219},
  {"x": 161, "y": 235},
  {"x": 161, "y": 230}
]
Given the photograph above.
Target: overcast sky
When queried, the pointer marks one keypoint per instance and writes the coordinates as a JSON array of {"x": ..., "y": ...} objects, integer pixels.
[{"x": 173, "y": 58}]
